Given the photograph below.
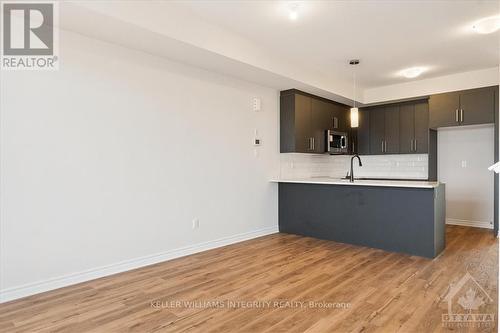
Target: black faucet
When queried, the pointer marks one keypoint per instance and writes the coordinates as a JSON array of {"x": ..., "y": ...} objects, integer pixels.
[{"x": 351, "y": 176}]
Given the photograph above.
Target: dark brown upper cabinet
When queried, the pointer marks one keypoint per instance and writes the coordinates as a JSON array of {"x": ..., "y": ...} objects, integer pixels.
[
  {"x": 362, "y": 144},
  {"x": 466, "y": 107},
  {"x": 340, "y": 116},
  {"x": 422, "y": 127},
  {"x": 391, "y": 129},
  {"x": 377, "y": 130},
  {"x": 322, "y": 117},
  {"x": 413, "y": 127},
  {"x": 384, "y": 130},
  {"x": 304, "y": 120},
  {"x": 406, "y": 128},
  {"x": 295, "y": 121},
  {"x": 478, "y": 106}
]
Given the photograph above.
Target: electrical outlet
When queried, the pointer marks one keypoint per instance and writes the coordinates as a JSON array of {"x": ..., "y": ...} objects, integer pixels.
[{"x": 196, "y": 223}]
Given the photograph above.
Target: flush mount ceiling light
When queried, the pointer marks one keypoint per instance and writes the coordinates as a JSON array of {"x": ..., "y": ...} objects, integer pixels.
[
  {"x": 487, "y": 25},
  {"x": 354, "y": 109},
  {"x": 412, "y": 72},
  {"x": 293, "y": 11}
]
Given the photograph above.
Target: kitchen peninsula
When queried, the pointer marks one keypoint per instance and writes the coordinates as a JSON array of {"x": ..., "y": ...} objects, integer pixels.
[{"x": 393, "y": 215}]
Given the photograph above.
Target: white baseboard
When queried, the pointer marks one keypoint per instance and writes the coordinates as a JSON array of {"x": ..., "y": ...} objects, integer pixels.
[
  {"x": 91, "y": 274},
  {"x": 469, "y": 223}
]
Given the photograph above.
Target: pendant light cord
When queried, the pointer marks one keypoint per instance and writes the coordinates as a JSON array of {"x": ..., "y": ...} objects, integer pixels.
[{"x": 354, "y": 93}]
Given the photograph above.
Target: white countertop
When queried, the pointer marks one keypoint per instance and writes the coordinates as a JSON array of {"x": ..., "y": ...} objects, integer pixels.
[{"x": 361, "y": 182}]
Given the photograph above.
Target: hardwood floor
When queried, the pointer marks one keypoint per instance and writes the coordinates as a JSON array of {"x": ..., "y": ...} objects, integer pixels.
[{"x": 370, "y": 291}]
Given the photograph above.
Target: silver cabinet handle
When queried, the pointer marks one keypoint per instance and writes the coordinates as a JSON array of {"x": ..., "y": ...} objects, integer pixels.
[
  {"x": 415, "y": 145},
  {"x": 382, "y": 145},
  {"x": 311, "y": 143},
  {"x": 385, "y": 146},
  {"x": 314, "y": 143},
  {"x": 456, "y": 116},
  {"x": 461, "y": 115}
]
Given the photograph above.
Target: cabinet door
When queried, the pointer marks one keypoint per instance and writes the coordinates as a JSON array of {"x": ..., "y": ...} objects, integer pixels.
[
  {"x": 340, "y": 114},
  {"x": 406, "y": 128},
  {"x": 422, "y": 127},
  {"x": 377, "y": 129},
  {"x": 362, "y": 146},
  {"x": 303, "y": 133},
  {"x": 392, "y": 129},
  {"x": 322, "y": 120},
  {"x": 443, "y": 110},
  {"x": 478, "y": 106}
]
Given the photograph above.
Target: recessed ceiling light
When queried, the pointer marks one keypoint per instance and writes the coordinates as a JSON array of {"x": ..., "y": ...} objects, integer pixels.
[
  {"x": 412, "y": 72},
  {"x": 293, "y": 11},
  {"x": 487, "y": 25}
]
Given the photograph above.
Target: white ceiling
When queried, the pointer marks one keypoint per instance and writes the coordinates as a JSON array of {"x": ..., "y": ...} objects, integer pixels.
[{"x": 387, "y": 36}]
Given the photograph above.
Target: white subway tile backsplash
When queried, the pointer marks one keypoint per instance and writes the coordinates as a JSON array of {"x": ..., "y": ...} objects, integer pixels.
[{"x": 408, "y": 166}]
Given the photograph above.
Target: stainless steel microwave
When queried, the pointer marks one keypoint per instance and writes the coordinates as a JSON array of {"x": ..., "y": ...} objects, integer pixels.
[{"x": 336, "y": 142}]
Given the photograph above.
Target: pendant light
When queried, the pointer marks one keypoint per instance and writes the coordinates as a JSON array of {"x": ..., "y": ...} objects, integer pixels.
[{"x": 354, "y": 109}]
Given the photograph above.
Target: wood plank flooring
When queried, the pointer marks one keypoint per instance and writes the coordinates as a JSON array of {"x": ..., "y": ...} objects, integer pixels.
[{"x": 312, "y": 286}]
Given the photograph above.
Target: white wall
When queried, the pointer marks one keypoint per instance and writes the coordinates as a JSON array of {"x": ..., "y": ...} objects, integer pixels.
[
  {"x": 464, "y": 155},
  {"x": 105, "y": 163},
  {"x": 154, "y": 26},
  {"x": 460, "y": 81}
]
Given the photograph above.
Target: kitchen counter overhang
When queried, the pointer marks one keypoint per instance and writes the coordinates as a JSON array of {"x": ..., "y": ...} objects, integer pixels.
[
  {"x": 359, "y": 182},
  {"x": 399, "y": 216}
]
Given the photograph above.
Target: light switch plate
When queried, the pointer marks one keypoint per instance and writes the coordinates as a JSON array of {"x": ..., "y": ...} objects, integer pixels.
[{"x": 256, "y": 104}]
